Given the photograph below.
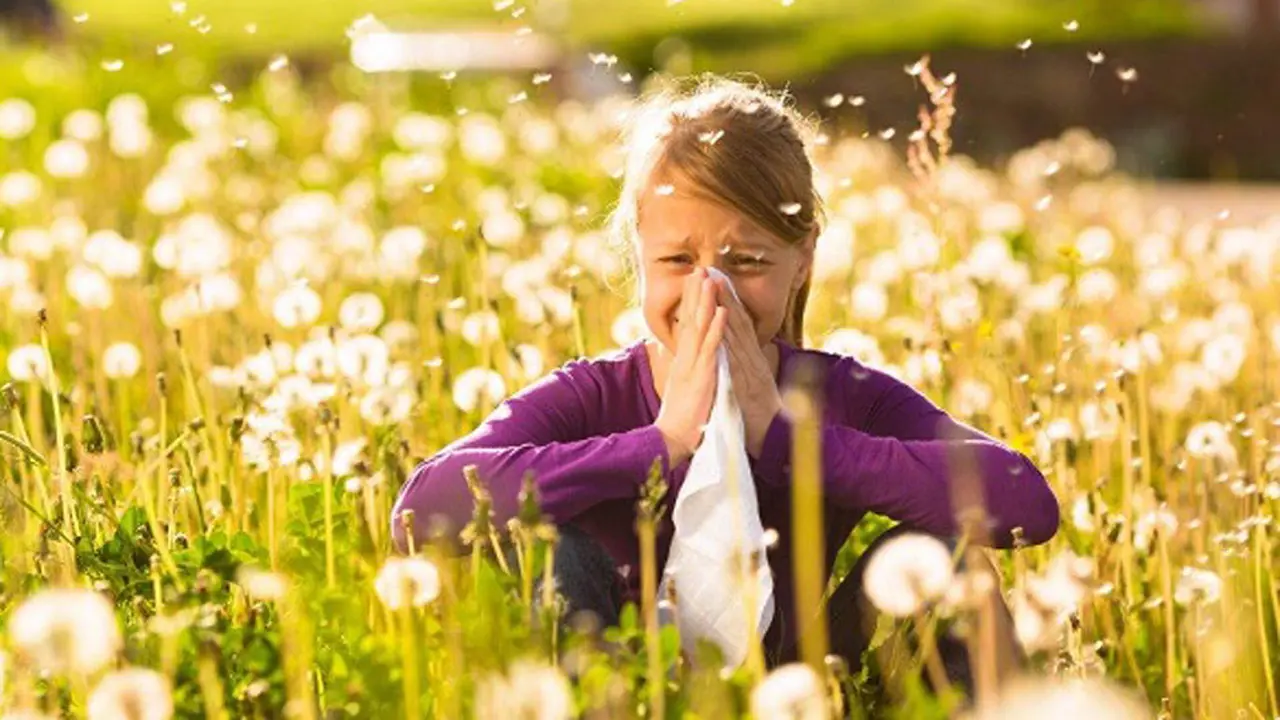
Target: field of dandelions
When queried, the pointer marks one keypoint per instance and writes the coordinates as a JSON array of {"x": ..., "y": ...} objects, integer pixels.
[{"x": 233, "y": 320}]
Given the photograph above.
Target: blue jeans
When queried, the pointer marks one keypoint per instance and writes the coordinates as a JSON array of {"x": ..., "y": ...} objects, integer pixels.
[{"x": 587, "y": 579}]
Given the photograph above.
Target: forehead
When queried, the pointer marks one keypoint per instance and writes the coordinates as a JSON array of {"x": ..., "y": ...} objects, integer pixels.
[{"x": 673, "y": 217}]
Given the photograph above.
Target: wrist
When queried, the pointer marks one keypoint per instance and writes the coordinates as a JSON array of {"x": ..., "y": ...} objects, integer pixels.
[{"x": 677, "y": 450}]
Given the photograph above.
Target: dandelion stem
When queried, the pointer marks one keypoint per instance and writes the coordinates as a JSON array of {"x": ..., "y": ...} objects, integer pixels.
[
  {"x": 330, "y": 564},
  {"x": 60, "y": 438}
]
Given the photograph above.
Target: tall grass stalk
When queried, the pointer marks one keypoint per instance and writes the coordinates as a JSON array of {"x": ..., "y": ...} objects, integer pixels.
[{"x": 808, "y": 546}]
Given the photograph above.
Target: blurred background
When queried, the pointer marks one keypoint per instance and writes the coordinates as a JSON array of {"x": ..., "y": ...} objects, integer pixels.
[{"x": 1186, "y": 90}]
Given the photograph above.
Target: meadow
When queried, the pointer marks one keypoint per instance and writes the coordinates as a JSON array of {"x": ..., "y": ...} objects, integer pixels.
[{"x": 234, "y": 319}]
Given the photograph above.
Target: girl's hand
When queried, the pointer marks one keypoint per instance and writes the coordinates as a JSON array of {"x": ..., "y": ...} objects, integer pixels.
[
  {"x": 690, "y": 388},
  {"x": 753, "y": 383}
]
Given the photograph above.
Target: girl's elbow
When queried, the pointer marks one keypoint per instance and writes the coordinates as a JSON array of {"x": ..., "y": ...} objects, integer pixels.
[{"x": 1044, "y": 514}]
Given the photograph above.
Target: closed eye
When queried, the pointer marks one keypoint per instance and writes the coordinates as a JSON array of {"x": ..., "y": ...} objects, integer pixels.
[{"x": 676, "y": 259}]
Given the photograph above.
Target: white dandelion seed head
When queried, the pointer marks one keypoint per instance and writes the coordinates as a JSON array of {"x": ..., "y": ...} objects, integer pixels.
[
  {"x": 27, "y": 363},
  {"x": 793, "y": 691},
  {"x": 869, "y": 302},
  {"x": 530, "y": 690},
  {"x": 361, "y": 312},
  {"x": 131, "y": 694},
  {"x": 66, "y": 159},
  {"x": 66, "y": 630},
  {"x": 629, "y": 327},
  {"x": 907, "y": 572},
  {"x": 19, "y": 189},
  {"x": 1064, "y": 584},
  {"x": 856, "y": 344},
  {"x": 480, "y": 328},
  {"x": 407, "y": 582},
  {"x": 121, "y": 360},
  {"x": 1068, "y": 699},
  {"x": 1197, "y": 586},
  {"x": 296, "y": 306},
  {"x": 474, "y": 384},
  {"x": 1209, "y": 440},
  {"x": 17, "y": 118},
  {"x": 262, "y": 584}
]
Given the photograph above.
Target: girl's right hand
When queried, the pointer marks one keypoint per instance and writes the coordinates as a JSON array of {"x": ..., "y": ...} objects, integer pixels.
[{"x": 690, "y": 388}]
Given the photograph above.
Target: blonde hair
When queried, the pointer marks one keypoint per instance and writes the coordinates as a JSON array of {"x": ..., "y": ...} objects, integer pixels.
[{"x": 736, "y": 143}]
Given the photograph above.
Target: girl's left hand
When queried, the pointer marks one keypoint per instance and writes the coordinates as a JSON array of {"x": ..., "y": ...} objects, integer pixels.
[{"x": 749, "y": 369}]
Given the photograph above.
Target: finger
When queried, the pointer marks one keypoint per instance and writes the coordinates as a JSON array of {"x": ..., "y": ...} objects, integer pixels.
[
  {"x": 706, "y": 305},
  {"x": 715, "y": 332},
  {"x": 686, "y": 335}
]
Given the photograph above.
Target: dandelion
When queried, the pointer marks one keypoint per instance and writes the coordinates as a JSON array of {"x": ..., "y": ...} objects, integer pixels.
[
  {"x": 1196, "y": 586},
  {"x": 19, "y": 188},
  {"x": 1046, "y": 699},
  {"x": 131, "y": 694},
  {"x": 121, "y": 360},
  {"x": 262, "y": 584},
  {"x": 361, "y": 312},
  {"x": 1157, "y": 520},
  {"x": 407, "y": 581},
  {"x": 296, "y": 306},
  {"x": 1064, "y": 584},
  {"x": 529, "y": 690},
  {"x": 17, "y": 118},
  {"x": 66, "y": 630},
  {"x": 474, "y": 384},
  {"x": 28, "y": 363},
  {"x": 1209, "y": 440},
  {"x": 1127, "y": 74},
  {"x": 481, "y": 327},
  {"x": 793, "y": 691},
  {"x": 66, "y": 159},
  {"x": 907, "y": 572},
  {"x": 1223, "y": 357}
]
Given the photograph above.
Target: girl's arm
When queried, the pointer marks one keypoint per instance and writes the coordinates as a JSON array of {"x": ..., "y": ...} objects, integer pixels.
[
  {"x": 542, "y": 429},
  {"x": 904, "y": 464}
]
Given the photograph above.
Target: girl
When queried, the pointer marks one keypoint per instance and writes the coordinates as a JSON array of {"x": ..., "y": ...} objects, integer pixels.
[{"x": 720, "y": 177}]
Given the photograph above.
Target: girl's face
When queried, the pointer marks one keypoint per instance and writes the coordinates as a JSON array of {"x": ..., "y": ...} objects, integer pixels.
[{"x": 679, "y": 232}]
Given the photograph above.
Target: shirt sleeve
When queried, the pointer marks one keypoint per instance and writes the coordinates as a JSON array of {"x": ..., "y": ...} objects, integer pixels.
[
  {"x": 909, "y": 460},
  {"x": 542, "y": 429}
]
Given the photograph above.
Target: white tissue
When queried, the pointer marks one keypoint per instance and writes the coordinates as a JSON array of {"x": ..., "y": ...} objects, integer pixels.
[{"x": 713, "y": 521}]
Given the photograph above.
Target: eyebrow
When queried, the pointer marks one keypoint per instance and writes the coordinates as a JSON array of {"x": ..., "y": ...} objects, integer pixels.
[{"x": 737, "y": 245}]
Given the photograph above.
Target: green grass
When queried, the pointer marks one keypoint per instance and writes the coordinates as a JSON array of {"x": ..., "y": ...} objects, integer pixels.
[{"x": 762, "y": 36}]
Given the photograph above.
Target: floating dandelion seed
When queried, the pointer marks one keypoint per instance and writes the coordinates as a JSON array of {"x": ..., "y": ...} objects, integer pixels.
[
  {"x": 178, "y": 7},
  {"x": 112, "y": 65},
  {"x": 949, "y": 79},
  {"x": 81, "y": 17},
  {"x": 915, "y": 68},
  {"x": 278, "y": 62},
  {"x": 221, "y": 92},
  {"x": 251, "y": 28},
  {"x": 1071, "y": 25},
  {"x": 792, "y": 208},
  {"x": 518, "y": 12},
  {"x": 1097, "y": 57},
  {"x": 788, "y": 3},
  {"x": 603, "y": 59},
  {"x": 857, "y": 101},
  {"x": 673, "y": 3},
  {"x": 887, "y": 133},
  {"x": 541, "y": 78},
  {"x": 1052, "y": 168},
  {"x": 518, "y": 98},
  {"x": 1127, "y": 74},
  {"x": 1043, "y": 203},
  {"x": 164, "y": 48},
  {"x": 500, "y": 5},
  {"x": 916, "y": 136},
  {"x": 665, "y": 190},
  {"x": 524, "y": 30},
  {"x": 1024, "y": 45},
  {"x": 833, "y": 101},
  {"x": 625, "y": 78},
  {"x": 711, "y": 137}
]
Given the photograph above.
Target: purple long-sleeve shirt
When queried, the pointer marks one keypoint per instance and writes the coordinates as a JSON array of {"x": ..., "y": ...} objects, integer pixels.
[{"x": 586, "y": 431}]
